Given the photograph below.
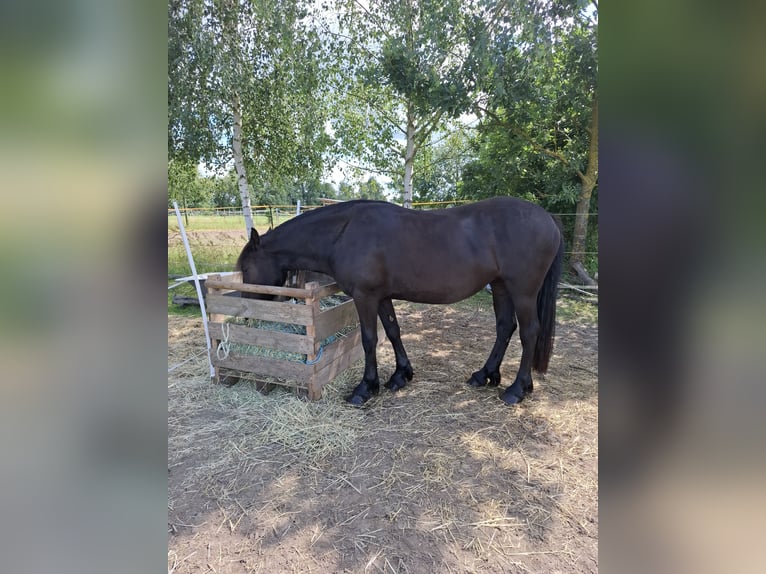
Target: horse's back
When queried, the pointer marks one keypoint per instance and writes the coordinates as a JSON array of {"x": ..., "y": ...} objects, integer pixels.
[
  {"x": 444, "y": 255},
  {"x": 499, "y": 222}
]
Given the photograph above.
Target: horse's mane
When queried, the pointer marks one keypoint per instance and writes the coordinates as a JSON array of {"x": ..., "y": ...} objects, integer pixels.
[
  {"x": 329, "y": 214},
  {"x": 326, "y": 211}
]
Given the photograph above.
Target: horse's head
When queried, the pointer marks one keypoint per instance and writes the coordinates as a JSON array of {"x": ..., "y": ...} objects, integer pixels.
[{"x": 258, "y": 265}]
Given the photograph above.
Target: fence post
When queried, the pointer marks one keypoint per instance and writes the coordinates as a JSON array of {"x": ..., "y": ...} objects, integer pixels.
[{"x": 200, "y": 297}]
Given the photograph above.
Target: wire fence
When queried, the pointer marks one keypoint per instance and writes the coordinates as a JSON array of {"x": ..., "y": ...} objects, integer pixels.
[{"x": 217, "y": 234}]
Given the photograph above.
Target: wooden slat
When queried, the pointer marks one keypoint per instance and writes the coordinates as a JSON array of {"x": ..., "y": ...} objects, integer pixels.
[
  {"x": 289, "y": 342},
  {"x": 213, "y": 317},
  {"x": 323, "y": 291},
  {"x": 313, "y": 303},
  {"x": 257, "y": 309},
  {"x": 259, "y": 289},
  {"x": 341, "y": 354},
  {"x": 288, "y": 370},
  {"x": 330, "y": 321}
]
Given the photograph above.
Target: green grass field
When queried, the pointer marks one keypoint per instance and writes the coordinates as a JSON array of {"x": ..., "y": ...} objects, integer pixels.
[{"x": 226, "y": 222}]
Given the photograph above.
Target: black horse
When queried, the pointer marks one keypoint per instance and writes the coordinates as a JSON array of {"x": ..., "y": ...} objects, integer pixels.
[{"x": 377, "y": 251}]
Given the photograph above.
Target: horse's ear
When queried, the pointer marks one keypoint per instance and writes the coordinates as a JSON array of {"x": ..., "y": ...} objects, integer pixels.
[{"x": 255, "y": 240}]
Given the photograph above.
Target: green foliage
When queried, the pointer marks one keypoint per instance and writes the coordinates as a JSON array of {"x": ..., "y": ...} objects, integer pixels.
[
  {"x": 404, "y": 60},
  {"x": 185, "y": 186},
  {"x": 440, "y": 166},
  {"x": 263, "y": 54},
  {"x": 224, "y": 190},
  {"x": 541, "y": 92},
  {"x": 345, "y": 191},
  {"x": 340, "y": 79},
  {"x": 371, "y": 189}
]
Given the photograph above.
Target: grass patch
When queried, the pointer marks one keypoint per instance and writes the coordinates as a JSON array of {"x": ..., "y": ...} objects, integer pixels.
[
  {"x": 187, "y": 310},
  {"x": 573, "y": 309},
  {"x": 207, "y": 258},
  {"x": 227, "y": 222},
  {"x": 568, "y": 307}
]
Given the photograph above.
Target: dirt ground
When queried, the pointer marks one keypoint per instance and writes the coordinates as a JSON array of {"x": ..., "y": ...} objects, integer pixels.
[{"x": 438, "y": 477}]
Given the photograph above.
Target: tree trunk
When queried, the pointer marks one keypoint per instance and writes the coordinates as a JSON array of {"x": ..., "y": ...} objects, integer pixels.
[
  {"x": 239, "y": 166},
  {"x": 409, "y": 158},
  {"x": 588, "y": 182}
]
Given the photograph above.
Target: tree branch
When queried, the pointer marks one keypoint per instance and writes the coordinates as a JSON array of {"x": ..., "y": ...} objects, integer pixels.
[
  {"x": 381, "y": 171},
  {"x": 391, "y": 120},
  {"x": 519, "y": 132},
  {"x": 422, "y": 133},
  {"x": 374, "y": 19}
]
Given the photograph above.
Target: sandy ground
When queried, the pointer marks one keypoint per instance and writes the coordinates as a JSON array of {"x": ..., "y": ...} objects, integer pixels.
[{"x": 438, "y": 477}]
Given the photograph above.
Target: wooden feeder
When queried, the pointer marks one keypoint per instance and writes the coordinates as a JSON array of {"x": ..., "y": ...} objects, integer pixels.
[{"x": 325, "y": 357}]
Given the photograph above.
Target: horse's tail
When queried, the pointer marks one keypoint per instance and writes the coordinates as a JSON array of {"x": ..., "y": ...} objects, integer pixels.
[{"x": 546, "y": 312}]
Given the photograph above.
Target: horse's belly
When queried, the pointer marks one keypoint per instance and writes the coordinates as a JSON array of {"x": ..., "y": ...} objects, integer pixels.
[{"x": 441, "y": 293}]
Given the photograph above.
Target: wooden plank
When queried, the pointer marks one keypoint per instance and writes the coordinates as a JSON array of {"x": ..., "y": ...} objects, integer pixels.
[
  {"x": 213, "y": 317},
  {"x": 259, "y": 289},
  {"x": 234, "y": 277},
  {"x": 330, "y": 321},
  {"x": 288, "y": 370},
  {"x": 322, "y": 291},
  {"x": 332, "y": 351},
  {"x": 341, "y": 354},
  {"x": 289, "y": 342},
  {"x": 257, "y": 309},
  {"x": 313, "y": 304}
]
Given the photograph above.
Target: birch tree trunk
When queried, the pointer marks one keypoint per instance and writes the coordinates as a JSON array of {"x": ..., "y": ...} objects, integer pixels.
[
  {"x": 239, "y": 165},
  {"x": 409, "y": 158}
]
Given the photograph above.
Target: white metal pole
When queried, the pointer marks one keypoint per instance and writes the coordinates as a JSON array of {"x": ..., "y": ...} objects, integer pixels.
[{"x": 199, "y": 287}]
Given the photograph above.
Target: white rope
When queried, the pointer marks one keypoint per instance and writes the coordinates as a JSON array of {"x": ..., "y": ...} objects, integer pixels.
[
  {"x": 223, "y": 345},
  {"x": 174, "y": 367}
]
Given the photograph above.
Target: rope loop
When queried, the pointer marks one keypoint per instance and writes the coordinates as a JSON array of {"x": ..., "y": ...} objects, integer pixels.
[
  {"x": 319, "y": 356},
  {"x": 224, "y": 345}
]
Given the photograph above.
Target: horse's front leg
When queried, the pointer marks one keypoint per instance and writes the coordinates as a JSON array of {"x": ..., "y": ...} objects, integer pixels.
[
  {"x": 403, "y": 372},
  {"x": 367, "y": 309}
]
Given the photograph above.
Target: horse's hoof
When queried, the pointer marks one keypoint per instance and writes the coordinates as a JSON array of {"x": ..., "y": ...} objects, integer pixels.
[
  {"x": 509, "y": 397},
  {"x": 363, "y": 392},
  {"x": 357, "y": 400},
  {"x": 477, "y": 380},
  {"x": 395, "y": 383},
  {"x": 399, "y": 379}
]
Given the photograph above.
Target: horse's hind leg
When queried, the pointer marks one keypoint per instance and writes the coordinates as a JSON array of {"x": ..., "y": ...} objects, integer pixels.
[
  {"x": 505, "y": 322},
  {"x": 529, "y": 326},
  {"x": 367, "y": 309},
  {"x": 403, "y": 372}
]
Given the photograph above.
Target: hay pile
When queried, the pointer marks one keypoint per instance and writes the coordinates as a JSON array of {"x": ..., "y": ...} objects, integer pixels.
[
  {"x": 258, "y": 351},
  {"x": 241, "y": 425}
]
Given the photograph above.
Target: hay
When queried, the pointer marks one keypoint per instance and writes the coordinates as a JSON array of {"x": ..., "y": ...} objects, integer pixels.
[
  {"x": 244, "y": 427},
  {"x": 437, "y": 476},
  {"x": 258, "y": 351}
]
